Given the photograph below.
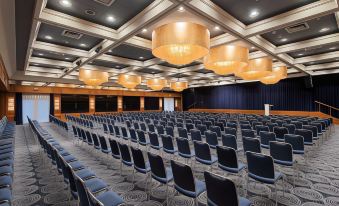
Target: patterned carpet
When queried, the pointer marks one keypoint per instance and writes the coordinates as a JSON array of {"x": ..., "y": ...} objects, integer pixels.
[{"x": 36, "y": 181}]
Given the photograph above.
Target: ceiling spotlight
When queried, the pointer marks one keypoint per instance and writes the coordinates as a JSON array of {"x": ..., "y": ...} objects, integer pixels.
[
  {"x": 252, "y": 47},
  {"x": 324, "y": 29},
  {"x": 141, "y": 57},
  {"x": 65, "y": 3},
  {"x": 217, "y": 28},
  {"x": 254, "y": 13},
  {"x": 300, "y": 54},
  {"x": 110, "y": 18},
  {"x": 83, "y": 45},
  {"x": 67, "y": 58},
  {"x": 117, "y": 66},
  {"x": 181, "y": 9},
  {"x": 283, "y": 39},
  {"x": 40, "y": 54},
  {"x": 48, "y": 37},
  {"x": 333, "y": 48},
  {"x": 144, "y": 30}
]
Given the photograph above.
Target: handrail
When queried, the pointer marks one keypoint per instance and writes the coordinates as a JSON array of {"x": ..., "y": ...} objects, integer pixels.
[
  {"x": 189, "y": 107},
  {"x": 326, "y": 105}
]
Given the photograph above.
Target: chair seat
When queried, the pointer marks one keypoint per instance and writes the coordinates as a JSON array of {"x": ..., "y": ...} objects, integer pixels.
[
  {"x": 64, "y": 153},
  {"x": 95, "y": 184},
  {"x": 143, "y": 170},
  {"x": 200, "y": 187},
  {"x": 6, "y": 170},
  {"x": 69, "y": 158},
  {"x": 207, "y": 162},
  {"x": 3, "y": 147},
  {"x": 280, "y": 139},
  {"x": 5, "y": 180},
  {"x": 244, "y": 202},
  {"x": 283, "y": 162},
  {"x": 7, "y": 162},
  {"x": 185, "y": 155},
  {"x": 157, "y": 147},
  {"x": 106, "y": 151},
  {"x": 169, "y": 176},
  {"x": 6, "y": 156},
  {"x": 277, "y": 176},
  {"x": 85, "y": 174},
  {"x": 110, "y": 198},
  {"x": 265, "y": 146},
  {"x": 298, "y": 152},
  {"x": 171, "y": 151},
  {"x": 144, "y": 143},
  {"x": 76, "y": 165},
  {"x": 5, "y": 194},
  {"x": 241, "y": 166}
]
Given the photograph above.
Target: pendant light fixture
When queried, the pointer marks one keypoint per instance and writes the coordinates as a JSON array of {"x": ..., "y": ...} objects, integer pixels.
[
  {"x": 226, "y": 59},
  {"x": 180, "y": 42},
  {"x": 92, "y": 77},
  {"x": 275, "y": 76},
  {"x": 156, "y": 84},
  {"x": 129, "y": 81},
  {"x": 179, "y": 86},
  {"x": 256, "y": 69}
]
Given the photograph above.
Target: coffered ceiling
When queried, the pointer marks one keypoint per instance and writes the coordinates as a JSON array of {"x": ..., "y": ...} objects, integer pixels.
[{"x": 115, "y": 36}]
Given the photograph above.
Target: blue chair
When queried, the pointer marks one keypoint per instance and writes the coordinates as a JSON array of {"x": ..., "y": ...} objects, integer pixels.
[
  {"x": 159, "y": 172},
  {"x": 251, "y": 144},
  {"x": 124, "y": 133},
  {"x": 151, "y": 127},
  {"x": 261, "y": 168},
  {"x": 114, "y": 148},
  {"x": 184, "y": 181},
  {"x": 154, "y": 141},
  {"x": 182, "y": 132},
  {"x": 230, "y": 130},
  {"x": 142, "y": 138},
  {"x": 229, "y": 140},
  {"x": 271, "y": 126},
  {"x": 216, "y": 129},
  {"x": 196, "y": 135},
  {"x": 167, "y": 143},
  {"x": 245, "y": 126},
  {"x": 203, "y": 153},
  {"x": 266, "y": 138},
  {"x": 139, "y": 164},
  {"x": 133, "y": 135},
  {"x": 125, "y": 154},
  {"x": 202, "y": 128},
  {"x": 248, "y": 133},
  {"x": 290, "y": 127},
  {"x": 108, "y": 198},
  {"x": 297, "y": 143},
  {"x": 222, "y": 191},
  {"x": 307, "y": 134},
  {"x": 211, "y": 139},
  {"x": 160, "y": 129},
  {"x": 280, "y": 133},
  {"x": 169, "y": 131},
  {"x": 260, "y": 128},
  {"x": 228, "y": 160},
  {"x": 184, "y": 149},
  {"x": 189, "y": 126}
]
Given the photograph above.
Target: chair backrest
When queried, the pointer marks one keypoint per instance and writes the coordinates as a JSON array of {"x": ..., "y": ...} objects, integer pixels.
[
  {"x": 281, "y": 151},
  {"x": 183, "y": 176},
  {"x": 314, "y": 129},
  {"x": 229, "y": 140},
  {"x": 202, "y": 150},
  {"x": 260, "y": 165},
  {"x": 151, "y": 127},
  {"x": 260, "y": 128},
  {"x": 141, "y": 135},
  {"x": 169, "y": 131},
  {"x": 124, "y": 151},
  {"x": 157, "y": 165},
  {"x": 93, "y": 200},
  {"x": 290, "y": 127},
  {"x": 160, "y": 129},
  {"x": 103, "y": 143},
  {"x": 216, "y": 129},
  {"x": 271, "y": 126},
  {"x": 154, "y": 139},
  {"x": 227, "y": 157},
  {"x": 280, "y": 132},
  {"x": 167, "y": 142},
  {"x": 231, "y": 124},
  {"x": 95, "y": 140},
  {"x": 298, "y": 124},
  {"x": 182, "y": 132},
  {"x": 230, "y": 130},
  {"x": 114, "y": 147},
  {"x": 297, "y": 141},
  {"x": 136, "y": 125},
  {"x": 116, "y": 130},
  {"x": 307, "y": 134},
  {"x": 111, "y": 129},
  {"x": 248, "y": 133},
  {"x": 183, "y": 146},
  {"x": 133, "y": 134},
  {"x": 245, "y": 126},
  {"x": 202, "y": 128},
  {"x": 266, "y": 137},
  {"x": 138, "y": 158},
  {"x": 196, "y": 135},
  {"x": 124, "y": 132},
  {"x": 251, "y": 144},
  {"x": 143, "y": 127},
  {"x": 81, "y": 189},
  {"x": 89, "y": 137},
  {"x": 220, "y": 190},
  {"x": 221, "y": 125},
  {"x": 189, "y": 126},
  {"x": 211, "y": 138}
]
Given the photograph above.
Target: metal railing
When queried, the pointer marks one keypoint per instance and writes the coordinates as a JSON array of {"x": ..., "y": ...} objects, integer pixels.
[{"x": 330, "y": 108}]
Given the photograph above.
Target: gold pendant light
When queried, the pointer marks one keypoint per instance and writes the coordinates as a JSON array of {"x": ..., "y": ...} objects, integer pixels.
[
  {"x": 226, "y": 59},
  {"x": 180, "y": 42},
  {"x": 93, "y": 77},
  {"x": 275, "y": 76},
  {"x": 156, "y": 84},
  {"x": 129, "y": 81},
  {"x": 256, "y": 69},
  {"x": 179, "y": 86}
]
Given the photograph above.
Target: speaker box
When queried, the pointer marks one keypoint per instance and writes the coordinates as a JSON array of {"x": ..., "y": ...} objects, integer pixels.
[{"x": 308, "y": 82}]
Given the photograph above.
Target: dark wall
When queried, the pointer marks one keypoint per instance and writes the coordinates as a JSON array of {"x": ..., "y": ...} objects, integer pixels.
[
  {"x": 151, "y": 103},
  {"x": 131, "y": 103},
  {"x": 74, "y": 103},
  {"x": 288, "y": 94},
  {"x": 104, "y": 103}
]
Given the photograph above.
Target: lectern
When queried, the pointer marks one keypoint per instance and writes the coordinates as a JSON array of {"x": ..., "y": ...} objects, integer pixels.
[{"x": 267, "y": 109}]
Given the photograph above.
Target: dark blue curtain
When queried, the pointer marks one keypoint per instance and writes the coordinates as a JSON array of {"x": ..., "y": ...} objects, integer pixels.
[
  {"x": 288, "y": 94},
  {"x": 51, "y": 104},
  {"x": 18, "y": 108}
]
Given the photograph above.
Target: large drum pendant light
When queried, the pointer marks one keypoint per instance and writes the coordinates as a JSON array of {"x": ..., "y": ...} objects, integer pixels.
[
  {"x": 275, "y": 76},
  {"x": 129, "y": 81},
  {"x": 256, "y": 69},
  {"x": 92, "y": 77},
  {"x": 179, "y": 86},
  {"x": 226, "y": 59},
  {"x": 156, "y": 84},
  {"x": 180, "y": 42}
]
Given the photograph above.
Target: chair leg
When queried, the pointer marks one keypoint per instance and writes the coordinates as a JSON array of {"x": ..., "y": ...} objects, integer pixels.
[{"x": 276, "y": 194}]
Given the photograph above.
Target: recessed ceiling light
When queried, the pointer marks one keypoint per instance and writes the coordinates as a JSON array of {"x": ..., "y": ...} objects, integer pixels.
[
  {"x": 141, "y": 57},
  {"x": 67, "y": 58},
  {"x": 40, "y": 54},
  {"x": 300, "y": 54},
  {"x": 254, "y": 13},
  {"x": 181, "y": 9},
  {"x": 117, "y": 66},
  {"x": 283, "y": 39},
  {"x": 333, "y": 48},
  {"x": 217, "y": 28},
  {"x": 252, "y": 47},
  {"x": 83, "y": 45},
  {"x": 324, "y": 29},
  {"x": 65, "y": 3},
  {"x": 48, "y": 37},
  {"x": 110, "y": 18},
  {"x": 144, "y": 30}
]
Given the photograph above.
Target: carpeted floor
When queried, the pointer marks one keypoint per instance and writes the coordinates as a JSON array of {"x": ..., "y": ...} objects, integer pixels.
[{"x": 36, "y": 181}]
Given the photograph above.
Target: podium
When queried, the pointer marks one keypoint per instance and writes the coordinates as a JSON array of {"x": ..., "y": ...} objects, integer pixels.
[{"x": 267, "y": 109}]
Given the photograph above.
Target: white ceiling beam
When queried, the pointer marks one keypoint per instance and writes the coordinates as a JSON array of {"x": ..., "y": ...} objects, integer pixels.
[
  {"x": 333, "y": 71},
  {"x": 319, "y": 57},
  {"x": 38, "y": 60},
  {"x": 323, "y": 66},
  {"x": 59, "y": 49},
  {"x": 222, "y": 39},
  {"x": 44, "y": 70}
]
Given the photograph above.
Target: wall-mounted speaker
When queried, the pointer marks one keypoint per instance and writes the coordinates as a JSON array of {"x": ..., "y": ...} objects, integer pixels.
[
  {"x": 308, "y": 82},
  {"x": 78, "y": 62}
]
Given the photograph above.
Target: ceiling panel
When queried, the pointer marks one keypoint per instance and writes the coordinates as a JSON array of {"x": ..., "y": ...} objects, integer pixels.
[
  {"x": 204, "y": 71},
  {"x": 251, "y": 11},
  {"x": 166, "y": 64},
  {"x": 53, "y": 55},
  {"x": 130, "y": 52},
  {"x": 317, "y": 27},
  {"x": 325, "y": 61},
  {"x": 149, "y": 71},
  {"x": 108, "y": 64},
  {"x": 52, "y": 34},
  {"x": 314, "y": 51},
  {"x": 179, "y": 75},
  {"x": 113, "y": 16},
  {"x": 47, "y": 66}
]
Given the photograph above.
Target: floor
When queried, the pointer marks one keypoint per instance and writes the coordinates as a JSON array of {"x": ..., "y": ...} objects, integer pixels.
[{"x": 36, "y": 181}]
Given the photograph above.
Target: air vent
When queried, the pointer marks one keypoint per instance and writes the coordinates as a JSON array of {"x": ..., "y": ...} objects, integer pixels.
[
  {"x": 105, "y": 2},
  {"x": 71, "y": 34},
  {"x": 297, "y": 28}
]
